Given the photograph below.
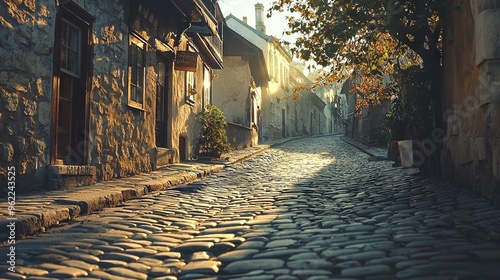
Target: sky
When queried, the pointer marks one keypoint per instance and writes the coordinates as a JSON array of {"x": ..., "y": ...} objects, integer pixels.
[{"x": 275, "y": 25}]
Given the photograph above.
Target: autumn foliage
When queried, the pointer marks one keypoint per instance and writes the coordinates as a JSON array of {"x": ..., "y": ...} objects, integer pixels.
[{"x": 367, "y": 41}]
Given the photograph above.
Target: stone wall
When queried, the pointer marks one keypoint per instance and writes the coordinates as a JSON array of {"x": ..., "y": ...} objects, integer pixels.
[
  {"x": 26, "y": 51},
  {"x": 371, "y": 125},
  {"x": 471, "y": 152},
  {"x": 241, "y": 137},
  {"x": 121, "y": 139},
  {"x": 126, "y": 143}
]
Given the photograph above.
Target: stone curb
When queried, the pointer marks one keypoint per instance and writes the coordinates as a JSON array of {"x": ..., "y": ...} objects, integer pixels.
[
  {"x": 85, "y": 200},
  {"x": 363, "y": 148}
]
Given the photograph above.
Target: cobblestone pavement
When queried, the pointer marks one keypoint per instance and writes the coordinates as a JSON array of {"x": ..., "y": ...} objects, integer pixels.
[{"x": 314, "y": 208}]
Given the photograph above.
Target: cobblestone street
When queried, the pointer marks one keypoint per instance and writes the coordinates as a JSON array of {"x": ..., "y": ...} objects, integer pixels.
[{"x": 313, "y": 208}]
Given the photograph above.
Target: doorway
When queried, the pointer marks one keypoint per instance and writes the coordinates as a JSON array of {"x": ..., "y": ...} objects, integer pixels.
[
  {"x": 182, "y": 148},
  {"x": 162, "y": 99},
  {"x": 70, "y": 102}
]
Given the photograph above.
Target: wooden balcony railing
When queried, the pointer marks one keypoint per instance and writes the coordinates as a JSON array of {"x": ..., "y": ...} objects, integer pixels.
[{"x": 215, "y": 44}]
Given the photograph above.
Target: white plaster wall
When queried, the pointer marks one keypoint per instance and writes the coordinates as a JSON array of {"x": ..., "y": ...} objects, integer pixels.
[{"x": 232, "y": 88}]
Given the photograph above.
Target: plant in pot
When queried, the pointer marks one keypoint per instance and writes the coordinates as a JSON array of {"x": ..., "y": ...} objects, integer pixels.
[
  {"x": 401, "y": 126},
  {"x": 213, "y": 140},
  {"x": 410, "y": 115}
]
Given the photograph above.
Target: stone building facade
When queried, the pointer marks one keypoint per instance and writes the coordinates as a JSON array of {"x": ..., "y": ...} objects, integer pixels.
[
  {"x": 471, "y": 142},
  {"x": 92, "y": 90},
  {"x": 307, "y": 110}
]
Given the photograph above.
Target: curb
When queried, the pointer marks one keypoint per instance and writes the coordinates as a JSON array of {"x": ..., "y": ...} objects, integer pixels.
[
  {"x": 362, "y": 148},
  {"x": 51, "y": 210}
]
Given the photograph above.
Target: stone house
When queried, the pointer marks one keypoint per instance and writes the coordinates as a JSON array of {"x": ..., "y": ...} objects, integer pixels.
[
  {"x": 308, "y": 109},
  {"x": 97, "y": 89},
  {"x": 239, "y": 89},
  {"x": 471, "y": 103},
  {"x": 336, "y": 104},
  {"x": 274, "y": 108}
]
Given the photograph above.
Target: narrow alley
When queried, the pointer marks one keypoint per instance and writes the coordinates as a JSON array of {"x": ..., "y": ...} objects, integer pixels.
[{"x": 312, "y": 208}]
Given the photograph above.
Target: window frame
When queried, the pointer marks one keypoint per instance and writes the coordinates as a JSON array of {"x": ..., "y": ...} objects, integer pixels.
[
  {"x": 207, "y": 86},
  {"x": 78, "y": 61},
  {"x": 190, "y": 81},
  {"x": 137, "y": 41}
]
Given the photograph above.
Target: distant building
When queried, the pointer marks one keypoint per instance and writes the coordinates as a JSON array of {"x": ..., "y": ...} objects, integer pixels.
[
  {"x": 239, "y": 89},
  {"x": 278, "y": 59},
  {"x": 308, "y": 109},
  {"x": 336, "y": 102}
]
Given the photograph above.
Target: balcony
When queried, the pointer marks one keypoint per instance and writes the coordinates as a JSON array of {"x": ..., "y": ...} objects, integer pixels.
[{"x": 215, "y": 45}]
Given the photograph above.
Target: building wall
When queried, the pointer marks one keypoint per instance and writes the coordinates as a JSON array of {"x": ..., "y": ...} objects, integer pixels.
[
  {"x": 233, "y": 90},
  {"x": 278, "y": 91},
  {"x": 121, "y": 139},
  {"x": 471, "y": 153},
  {"x": 184, "y": 115},
  {"x": 241, "y": 137},
  {"x": 273, "y": 96},
  {"x": 26, "y": 50}
]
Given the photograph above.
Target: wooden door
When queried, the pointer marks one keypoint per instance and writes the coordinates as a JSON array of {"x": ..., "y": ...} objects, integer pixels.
[{"x": 162, "y": 99}]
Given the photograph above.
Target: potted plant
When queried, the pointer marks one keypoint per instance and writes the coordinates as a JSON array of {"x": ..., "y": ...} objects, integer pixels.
[
  {"x": 213, "y": 140},
  {"x": 400, "y": 125}
]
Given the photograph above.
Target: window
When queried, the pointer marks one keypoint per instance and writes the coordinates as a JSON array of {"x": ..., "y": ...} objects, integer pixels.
[
  {"x": 162, "y": 80},
  {"x": 282, "y": 75},
  {"x": 136, "y": 72},
  {"x": 271, "y": 63},
  {"x": 70, "y": 90},
  {"x": 70, "y": 49},
  {"x": 207, "y": 85},
  {"x": 272, "y": 112},
  {"x": 190, "y": 84},
  {"x": 160, "y": 91},
  {"x": 190, "y": 87},
  {"x": 275, "y": 67}
]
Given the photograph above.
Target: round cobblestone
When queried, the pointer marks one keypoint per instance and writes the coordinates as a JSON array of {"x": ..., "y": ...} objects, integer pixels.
[{"x": 313, "y": 208}]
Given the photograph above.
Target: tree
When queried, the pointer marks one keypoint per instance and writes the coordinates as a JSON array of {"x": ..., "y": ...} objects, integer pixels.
[{"x": 374, "y": 40}]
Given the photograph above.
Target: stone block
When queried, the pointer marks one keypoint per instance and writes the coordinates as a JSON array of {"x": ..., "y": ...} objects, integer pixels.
[
  {"x": 162, "y": 157},
  {"x": 454, "y": 123},
  {"x": 71, "y": 170},
  {"x": 489, "y": 81},
  {"x": 465, "y": 155},
  {"x": 493, "y": 118},
  {"x": 44, "y": 113},
  {"x": 488, "y": 35},
  {"x": 7, "y": 152},
  {"x": 11, "y": 102},
  {"x": 496, "y": 160},
  {"x": 479, "y": 148},
  {"x": 479, "y": 123},
  {"x": 69, "y": 176}
]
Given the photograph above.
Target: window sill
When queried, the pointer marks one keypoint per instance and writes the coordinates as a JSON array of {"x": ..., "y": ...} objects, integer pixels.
[{"x": 136, "y": 107}]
